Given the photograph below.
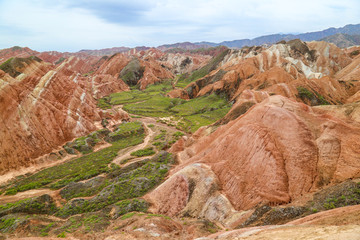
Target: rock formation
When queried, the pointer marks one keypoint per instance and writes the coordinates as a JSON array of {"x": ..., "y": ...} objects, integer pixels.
[{"x": 275, "y": 153}]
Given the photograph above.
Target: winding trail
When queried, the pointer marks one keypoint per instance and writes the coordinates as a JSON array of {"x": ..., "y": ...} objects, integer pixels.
[
  {"x": 55, "y": 194},
  {"x": 125, "y": 153},
  {"x": 122, "y": 155}
]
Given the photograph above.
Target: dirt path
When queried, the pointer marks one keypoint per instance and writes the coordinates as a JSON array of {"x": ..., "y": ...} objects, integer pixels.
[
  {"x": 125, "y": 153},
  {"x": 122, "y": 155},
  {"x": 30, "y": 194},
  {"x": 150, "y": 120}
]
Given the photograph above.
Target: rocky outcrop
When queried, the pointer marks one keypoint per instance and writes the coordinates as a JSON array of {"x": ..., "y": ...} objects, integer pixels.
[
  {"x": 275, "y": 153},
  {"x": 16, "y": 51},
  {"x": 44, "y": 106},
  {"x": 281, "y": 69}
]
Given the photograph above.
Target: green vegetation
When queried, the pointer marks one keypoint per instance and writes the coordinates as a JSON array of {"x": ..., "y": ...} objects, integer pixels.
[
  {"x": 61, "y": 235},
  {"x": 7, "y": 223},
  {"x": 85, "y": 144},
  {"x": 103, "y": 103},
  {"x": 85, "y": 167},
  {"x": 45, "y": 231},
  {"x": 128, "y": 215},
  {"x": 191, "y": 114},
  {"x": 156, "y": 106},
  {"x": 43, "y": 204},
  {"x": 354, "y": 53},
  {"x": 132, "y": 72},
  {"x": 60, "y": 60},
  {"x": 127, "y": 185},
  {"x": 16, "y": 48},
  {"x": 14, "y": 66},
  {"x": 210, "y": 227},
  {"x": 183, "y": 81},
  {"x": 313, "y": 99},
  {"x": 344, "y": 194},
  {"x": 125, "y": 130},
  {"x": 343, "y": 200},
  {"x": 80, "y": 189},
  {"x": 150, "y": 215},
  {"x": 178, "y": 134},
  {"x": 143, "y": 152},
  {"x": 200, "y": 105},
  {"x": 188, "y": 115},
  {"x": 161, "y": 136},
  {"x": 125, "y": 206}
]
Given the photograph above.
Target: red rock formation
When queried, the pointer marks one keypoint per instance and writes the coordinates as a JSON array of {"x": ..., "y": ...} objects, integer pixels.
[
  {"x": 45, "y": 106},
  {"x": 281, "y": 69},
  {"x": 275, "y": 153},
  {"x": 16, "y": 51}
]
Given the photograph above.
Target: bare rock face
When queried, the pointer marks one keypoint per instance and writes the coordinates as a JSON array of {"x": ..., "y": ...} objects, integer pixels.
[
  {"x": 16, "y": 51},
  {"x": 194, "y": 193},
  {"x": 50, "y": 98},
  {"x": 326, "y": 72},
  {"x": 44, "y": 106},
  {"x": 275, "y": 153},
  {"x": 181, "y": 63}
]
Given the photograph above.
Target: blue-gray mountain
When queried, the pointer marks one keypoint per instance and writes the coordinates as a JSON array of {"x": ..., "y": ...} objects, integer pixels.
[{"x": 350, "y": 29}]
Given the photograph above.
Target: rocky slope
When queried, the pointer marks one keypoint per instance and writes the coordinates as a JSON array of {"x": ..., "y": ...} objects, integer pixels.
[
  {"x": 283, "y": 146},
  {"x": 44, "y": 106},
  {"x": 294, "y": 150},
  {"x": 50, "y": 99},
  {"x": 308, "y": 72},
  {"x": 272, "y": 149},
  {"x": 343, "y": 40}
]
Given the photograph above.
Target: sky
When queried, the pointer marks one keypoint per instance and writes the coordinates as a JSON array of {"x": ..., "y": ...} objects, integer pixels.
[{"x": 72, "y": 25}]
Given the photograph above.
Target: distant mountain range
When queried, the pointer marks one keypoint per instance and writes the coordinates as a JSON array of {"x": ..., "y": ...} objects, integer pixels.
[
  {"x": 351, "y": 29},
  {"x": 343, "y": 40},
  {"x": 346, "y": 36}
]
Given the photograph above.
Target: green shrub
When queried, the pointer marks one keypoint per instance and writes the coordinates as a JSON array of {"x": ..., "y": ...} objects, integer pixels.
[
  {"x": 314, "y": 99},
  {"x": 79, "y": 169},
  {"x": 143, "y": 152},
  {"x": 127, "y": 185}
]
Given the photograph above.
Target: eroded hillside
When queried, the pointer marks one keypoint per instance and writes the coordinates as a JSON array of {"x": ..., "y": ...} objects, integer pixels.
[{"x": 181, "y": 144}]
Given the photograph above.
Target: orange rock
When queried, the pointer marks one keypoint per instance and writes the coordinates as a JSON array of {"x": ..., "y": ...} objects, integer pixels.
[{"x": 275, "y": 153}]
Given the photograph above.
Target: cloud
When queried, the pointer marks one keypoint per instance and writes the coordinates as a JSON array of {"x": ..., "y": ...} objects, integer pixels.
[{"x": 73, "y": 25}]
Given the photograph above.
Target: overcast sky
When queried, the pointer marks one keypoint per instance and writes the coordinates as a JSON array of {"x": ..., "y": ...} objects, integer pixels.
[{"x": 72, "y": 25}]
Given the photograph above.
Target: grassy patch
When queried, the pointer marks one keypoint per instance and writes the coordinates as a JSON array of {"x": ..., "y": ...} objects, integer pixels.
[
  {"x": 200, "y": 105},
  {"x": 128, "y": 215},
  {"x": 194, "y": 122},
  {"x": 137, "y": 95},
  {"x": 143, "y": 152},
  {"x": 182, "y": 81},
  {"x": 45, "y": 231},
  {"x": 128, "y": 184},
  {"x": 80, "y": 189},
  {"x": 15, "y": 66},
  {"x": 344, "y": 194},
  {"x": 130, "y": 205},
  {"x": 125, "y": 130},
  {"x": 193, "y": 113},
  {"x": 310, "y": 97},
  {"x": 178, "y": 134},
  {"x": 39, "y": 205},
  {"x": 82, "y": 168},
  {"x": 103, "y": 103},
  {"x": 152, "y": 102},
  {"x": 6, "y": 224},
  {"x": 150, "y": 215},
  {"x": 61, "y": 235},
  {"x": 156, "y": 106}
]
